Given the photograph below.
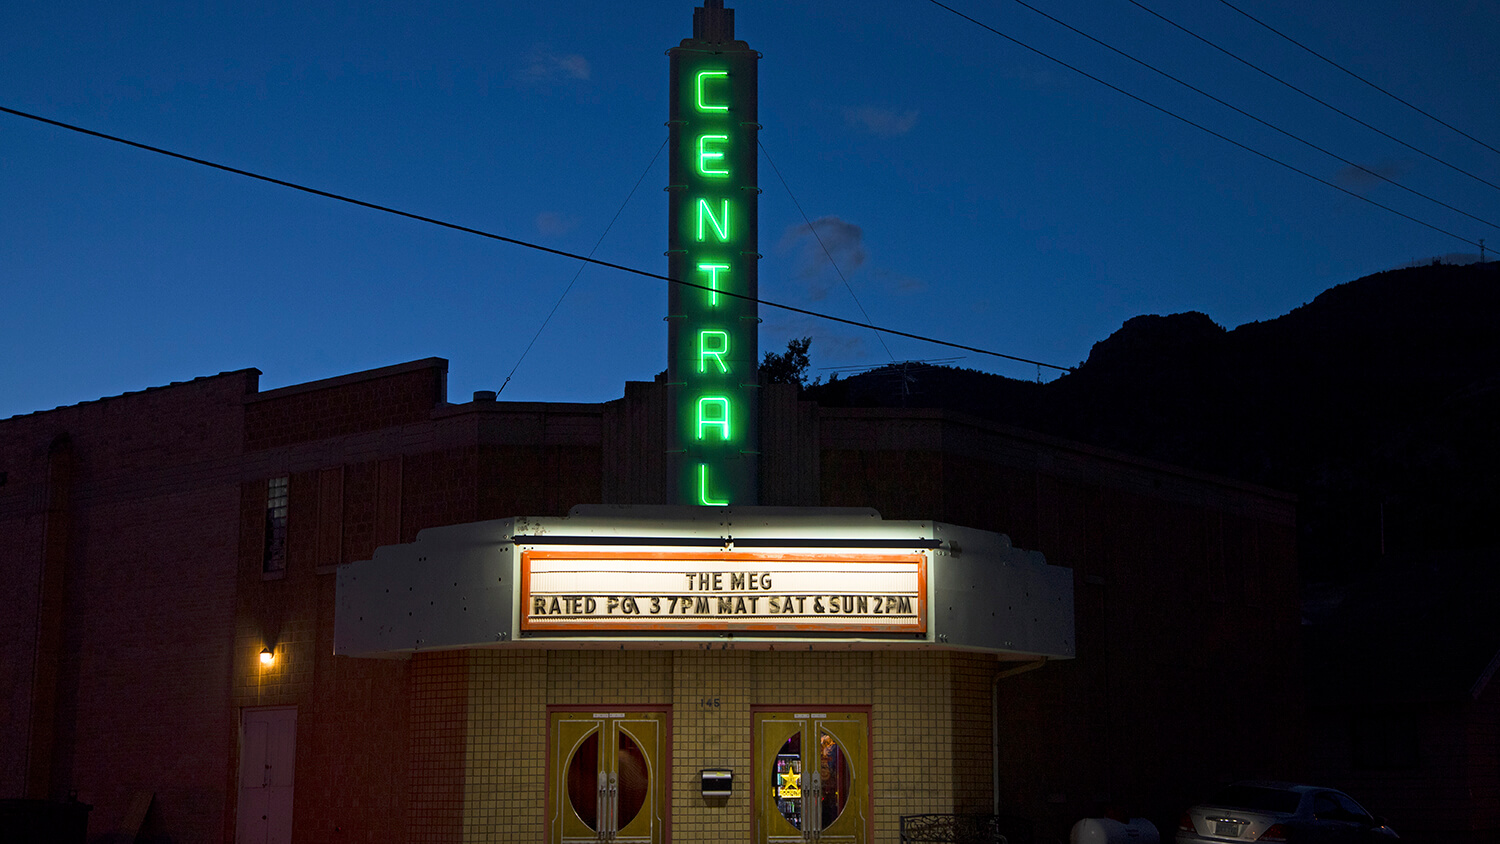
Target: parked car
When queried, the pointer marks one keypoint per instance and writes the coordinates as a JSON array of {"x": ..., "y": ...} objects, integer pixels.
[{"x": 1281, "y": 812}]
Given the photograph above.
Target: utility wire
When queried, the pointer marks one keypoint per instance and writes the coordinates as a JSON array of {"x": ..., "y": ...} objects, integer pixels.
[
  {"x": 1332, "y": 107},
  {"x": 517, "y": 242},
  {"x": 815, "y": 234},
  {"x": 1360, "y": 78},
  {"x": 1200, "y": 126},
  {"x": 582, "y": 266},
  {"x": 1267, "y": 124}
]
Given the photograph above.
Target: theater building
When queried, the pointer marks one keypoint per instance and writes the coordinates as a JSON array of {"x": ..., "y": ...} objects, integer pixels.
[{"x": 353, "y": 610}]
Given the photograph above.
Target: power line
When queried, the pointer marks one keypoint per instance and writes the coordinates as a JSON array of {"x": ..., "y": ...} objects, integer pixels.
[
  {"x": 1265, "y": 123},
  {"x": 815, "y": 234},
  {"x": 1360, "y": 78},
  {"x": 1199, "y": 126},
  {"x": 581, "y": 267},
  {"x": 1331, "y": 107},
  {"x": 518, "y": 242}
]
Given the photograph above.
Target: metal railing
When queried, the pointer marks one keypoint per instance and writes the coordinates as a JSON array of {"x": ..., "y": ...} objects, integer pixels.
[{"x": 952, "y": 829}]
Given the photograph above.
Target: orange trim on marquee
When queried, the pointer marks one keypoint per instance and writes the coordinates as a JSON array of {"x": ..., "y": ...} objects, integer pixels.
[{"x": 756, "y": 626}]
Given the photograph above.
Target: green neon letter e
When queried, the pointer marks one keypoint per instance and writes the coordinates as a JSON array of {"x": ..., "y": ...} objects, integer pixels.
[{"x": 704, "y": 154}]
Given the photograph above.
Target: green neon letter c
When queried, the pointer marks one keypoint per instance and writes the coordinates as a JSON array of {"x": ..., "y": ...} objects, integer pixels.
[{"x": 704, "y": 105}]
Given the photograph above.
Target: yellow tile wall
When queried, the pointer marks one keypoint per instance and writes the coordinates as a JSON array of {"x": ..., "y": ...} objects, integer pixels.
[
  {"x": 912, "y": 746},
  {"x": 711, "y": 700},
  {"x": 924, "y": 723},
  {"x": 506, "y": 764}
]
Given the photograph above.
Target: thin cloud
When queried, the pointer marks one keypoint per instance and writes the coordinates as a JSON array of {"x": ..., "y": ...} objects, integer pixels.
[
  {"x": 1356, "y": 178},
  {"x": 842, "y": 239},
  {"x": 542, "y": 65},
  {"x": 832, "y": 345},
  {"x": 898, "y": 283},
  {"x": 884, "y": 122},
  {"x": 552, "y": 224}
]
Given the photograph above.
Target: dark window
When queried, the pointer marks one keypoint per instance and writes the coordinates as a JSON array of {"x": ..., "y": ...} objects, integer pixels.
[
  {"x": 274, "y": 561},
  {"x": 1353, "y": 810},
  {"x": 1325, "y": 808}
]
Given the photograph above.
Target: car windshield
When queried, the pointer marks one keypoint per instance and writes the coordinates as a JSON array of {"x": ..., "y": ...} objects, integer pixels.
[{"x": 1257, "y": 798}]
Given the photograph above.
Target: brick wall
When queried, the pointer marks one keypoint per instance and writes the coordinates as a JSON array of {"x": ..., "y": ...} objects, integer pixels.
[
  {"x": 140, "y": 694},
  {"x": 350, "y": 404}
]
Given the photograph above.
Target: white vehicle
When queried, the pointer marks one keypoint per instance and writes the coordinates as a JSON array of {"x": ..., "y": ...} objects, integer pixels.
[{"x": 1281, "y": 812}]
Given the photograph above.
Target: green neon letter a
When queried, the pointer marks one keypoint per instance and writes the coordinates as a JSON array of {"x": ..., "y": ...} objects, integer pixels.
[
  {"x": 720, "y": 224},
  {"x": 713, "y": 412}
]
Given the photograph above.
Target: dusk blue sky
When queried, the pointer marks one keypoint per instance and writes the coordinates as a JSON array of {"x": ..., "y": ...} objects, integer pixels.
[{"x": 970, "y": 189}]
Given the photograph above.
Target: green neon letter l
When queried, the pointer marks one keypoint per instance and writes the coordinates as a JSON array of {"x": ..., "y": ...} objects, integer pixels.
[{"x": 703, "y": 489}]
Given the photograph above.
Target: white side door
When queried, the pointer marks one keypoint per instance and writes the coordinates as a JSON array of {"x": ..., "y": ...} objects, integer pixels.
[{"x": 268, "y": 747}]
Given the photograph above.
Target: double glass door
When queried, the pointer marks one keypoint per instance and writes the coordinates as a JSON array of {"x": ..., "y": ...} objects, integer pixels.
[
  {"x": 811, "y": 773},
  {"x": 608, "y": 777}
]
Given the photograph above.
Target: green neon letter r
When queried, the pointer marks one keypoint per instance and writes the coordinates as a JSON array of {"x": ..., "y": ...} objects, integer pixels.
[{"x": 713, "y": 344}]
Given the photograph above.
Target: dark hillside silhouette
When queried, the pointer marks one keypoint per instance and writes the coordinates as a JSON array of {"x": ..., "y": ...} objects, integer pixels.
[{"x": 1378, "y": 404}]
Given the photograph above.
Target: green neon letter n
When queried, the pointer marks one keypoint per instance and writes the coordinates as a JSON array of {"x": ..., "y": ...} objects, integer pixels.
[{"x": 720, "y": 226}]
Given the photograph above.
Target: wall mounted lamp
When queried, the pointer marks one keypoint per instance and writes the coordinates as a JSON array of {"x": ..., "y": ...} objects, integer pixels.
[{"x": 267, "y": 656}]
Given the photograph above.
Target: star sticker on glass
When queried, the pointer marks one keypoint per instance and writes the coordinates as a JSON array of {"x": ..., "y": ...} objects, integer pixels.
[{"x": 791, "y": 784}]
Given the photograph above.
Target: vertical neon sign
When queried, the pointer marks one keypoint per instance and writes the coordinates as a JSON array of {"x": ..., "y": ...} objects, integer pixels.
[{"x": 711, "y": 242}]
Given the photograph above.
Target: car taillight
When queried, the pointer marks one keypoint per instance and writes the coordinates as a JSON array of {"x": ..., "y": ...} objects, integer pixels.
[
  {"x": 1185, "y": 823},
  {"x": 1275, "y": 832}
]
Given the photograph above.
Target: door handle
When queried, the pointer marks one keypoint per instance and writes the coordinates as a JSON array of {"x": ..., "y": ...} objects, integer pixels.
[
  {"x": 815, "y": 819},
  {"x": 601, "y": 808},
  {"x": 614, "y": 805},
  {"x": 804, "y": 802}
]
